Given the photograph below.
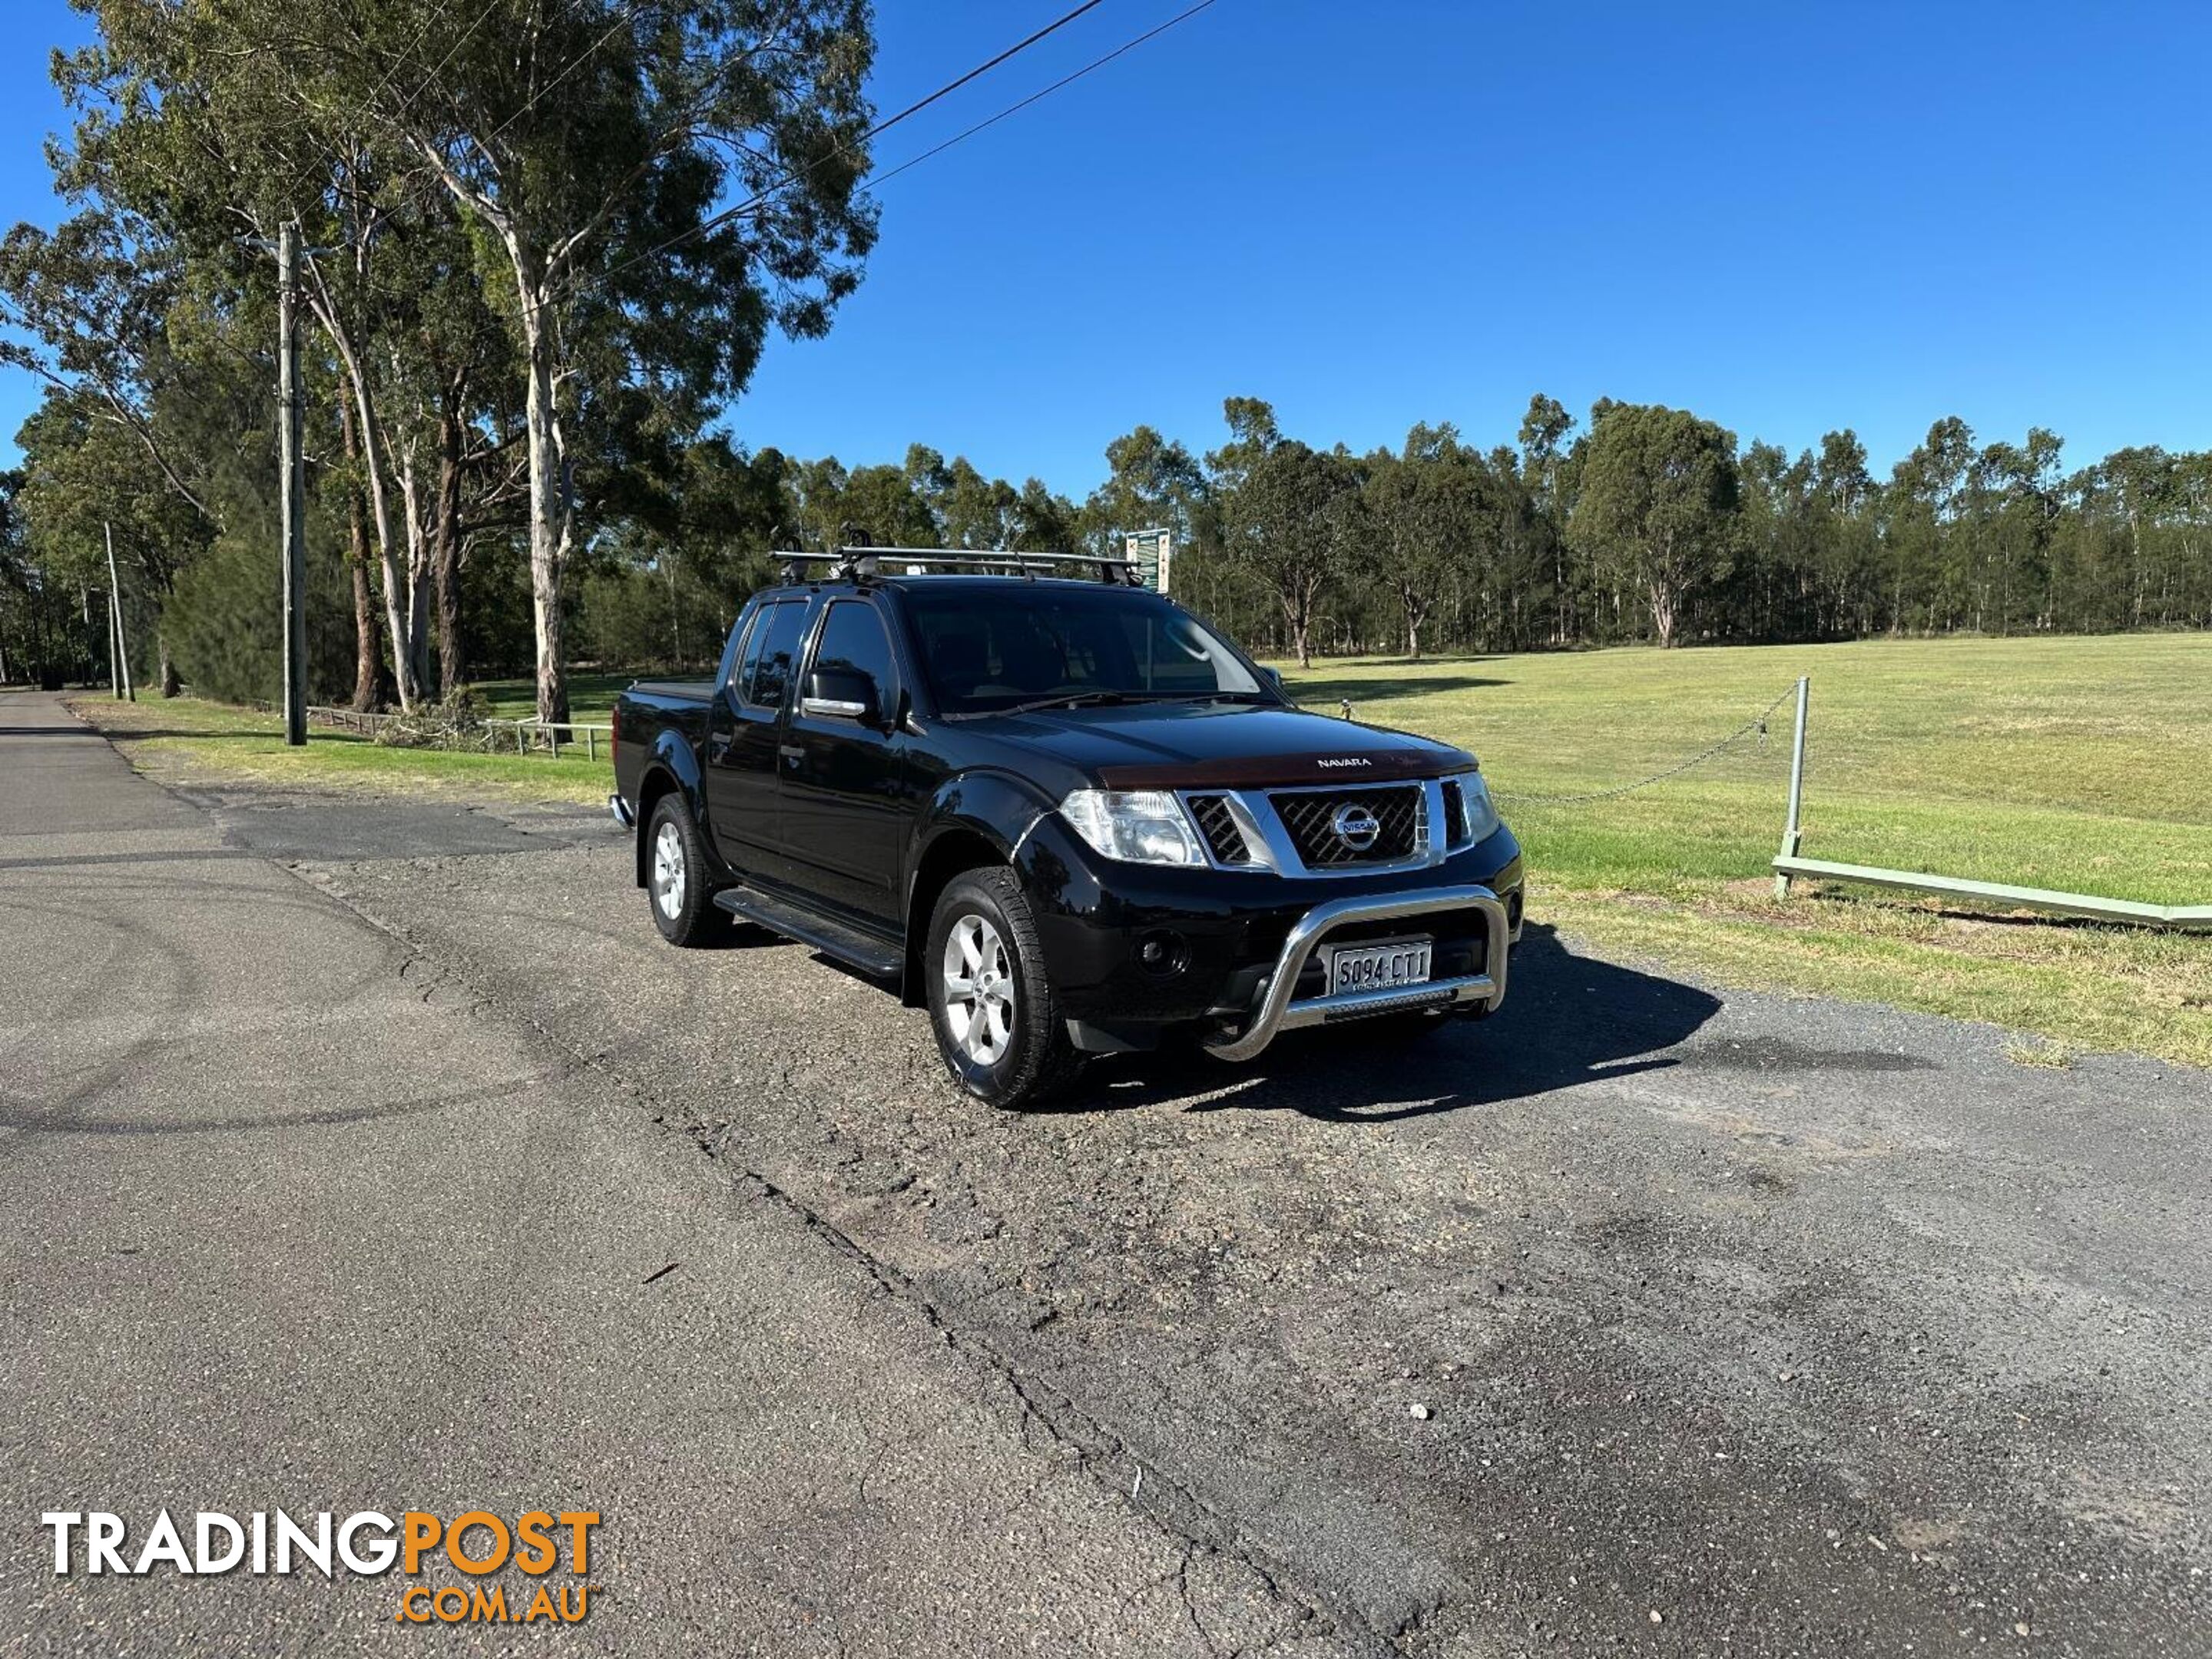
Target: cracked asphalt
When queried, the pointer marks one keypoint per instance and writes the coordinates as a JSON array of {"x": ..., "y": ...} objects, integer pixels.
[{"x": 350, "y": 1145}]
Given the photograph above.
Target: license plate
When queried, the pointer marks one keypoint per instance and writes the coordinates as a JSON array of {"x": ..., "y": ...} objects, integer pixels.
[{"x": 1378, "y": 967}]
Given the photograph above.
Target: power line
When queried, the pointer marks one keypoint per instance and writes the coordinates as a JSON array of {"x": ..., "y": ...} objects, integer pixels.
[
  {"x": 628, "y": 15},
  {"x": 1012, "y": 109},
  {"x": 950, "y": 87},
  {"x": 367, "y": 103},
  {"x": 881, "y": 127}
]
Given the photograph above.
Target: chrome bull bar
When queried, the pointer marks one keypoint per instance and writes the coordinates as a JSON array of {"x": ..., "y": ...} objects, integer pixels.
[{"x": 1280, "y": 1010}]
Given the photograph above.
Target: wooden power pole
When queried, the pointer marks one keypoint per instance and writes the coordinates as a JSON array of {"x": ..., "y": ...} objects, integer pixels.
[
  {"x": 293, "y": 486},
  {"x": 119, "y": 673}
]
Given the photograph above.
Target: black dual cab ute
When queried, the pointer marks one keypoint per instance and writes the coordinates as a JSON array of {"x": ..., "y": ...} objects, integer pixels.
[{"x": 1063, "y": 813}]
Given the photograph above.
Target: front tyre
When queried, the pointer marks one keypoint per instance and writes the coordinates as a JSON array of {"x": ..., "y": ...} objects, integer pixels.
[
  {"x": 998, "y": 1022},
  {"x": 676, "y": 875}
]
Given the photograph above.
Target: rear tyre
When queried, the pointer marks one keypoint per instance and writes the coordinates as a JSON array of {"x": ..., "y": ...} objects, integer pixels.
[
  {"x": 676, "y": 875},
  {"x": 998, "y": 1022}
]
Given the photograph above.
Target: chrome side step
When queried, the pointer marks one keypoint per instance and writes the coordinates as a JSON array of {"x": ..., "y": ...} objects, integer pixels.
[{"x": 846, "y": 944}]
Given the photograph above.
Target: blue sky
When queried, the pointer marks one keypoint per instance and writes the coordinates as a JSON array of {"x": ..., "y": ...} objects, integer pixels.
[{"x": 1787, "y": 219}]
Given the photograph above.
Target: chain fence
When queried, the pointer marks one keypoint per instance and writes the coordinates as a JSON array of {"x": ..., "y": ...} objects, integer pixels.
[{"x": 1757, "y": 724}]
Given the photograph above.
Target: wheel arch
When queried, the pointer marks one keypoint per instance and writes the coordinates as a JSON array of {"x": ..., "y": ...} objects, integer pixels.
[
  {"x": 954, "y": 849},
  {"x": 974, "y": 820},
  {"x": 671, "y": 770}
]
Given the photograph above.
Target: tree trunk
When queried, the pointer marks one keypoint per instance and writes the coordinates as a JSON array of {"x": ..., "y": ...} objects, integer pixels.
[
  {"x": 421, "y": 532},
  {"x": 169, "y": 683},
  {"x": 368, "y": 440},
  {"x": 368, "y": 653},
  {"x": 445, "y": 546},
  {"x": 548, "y": 507},
  {"x": 395, "y": 592},
  {"x": 1663, "y": 615}
]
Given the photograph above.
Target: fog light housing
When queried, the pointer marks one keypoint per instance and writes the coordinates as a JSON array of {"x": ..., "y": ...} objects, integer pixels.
[{"x": 1163, "y": 952}]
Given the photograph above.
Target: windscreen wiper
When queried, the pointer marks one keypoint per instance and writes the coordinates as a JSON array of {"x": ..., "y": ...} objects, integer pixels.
[
  {"x": 1065, "y": 699},
  {"x": 1210, "y": 696}
]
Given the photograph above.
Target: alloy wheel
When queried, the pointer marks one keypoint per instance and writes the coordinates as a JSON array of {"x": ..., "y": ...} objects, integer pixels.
[
  {"x": 668, "y": 870},
  {"x": 976, "y": 981}
]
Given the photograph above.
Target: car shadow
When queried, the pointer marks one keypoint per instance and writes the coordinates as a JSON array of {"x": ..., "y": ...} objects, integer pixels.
[
  {"x": 211, "y": 734},
  {"x": 1325, "y": 693},
  {"x": 1414, "y": 680},
  {"x": 1567, "y": 1019}
]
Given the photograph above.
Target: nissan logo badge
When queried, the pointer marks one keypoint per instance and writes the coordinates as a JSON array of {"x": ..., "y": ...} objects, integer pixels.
[{"x": 1355, "y": 826}]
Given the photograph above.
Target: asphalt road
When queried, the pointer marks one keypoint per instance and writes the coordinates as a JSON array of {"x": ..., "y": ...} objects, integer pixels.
[{"x": 342, "y": 1142}]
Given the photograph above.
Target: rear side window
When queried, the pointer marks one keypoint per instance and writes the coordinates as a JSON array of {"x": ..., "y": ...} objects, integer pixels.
[
  {"x": 748, "y": 653},
  {"x": 853, "y": 637},
  {"x": 774, "y": 650}
]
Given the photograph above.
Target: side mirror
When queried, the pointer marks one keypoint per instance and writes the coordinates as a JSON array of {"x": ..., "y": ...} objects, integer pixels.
[
  {"x": 842, "y": 694},
  {"x": 1274, "y": 677}
]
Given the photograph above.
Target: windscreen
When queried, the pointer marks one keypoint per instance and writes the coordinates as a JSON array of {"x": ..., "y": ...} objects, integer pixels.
[{"x": 991, "y": 649}]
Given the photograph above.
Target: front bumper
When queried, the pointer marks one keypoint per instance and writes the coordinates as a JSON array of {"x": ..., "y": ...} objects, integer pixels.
[
  {"x": 1281, "y": 1009},
  {"x": 1222, "y": 942}
]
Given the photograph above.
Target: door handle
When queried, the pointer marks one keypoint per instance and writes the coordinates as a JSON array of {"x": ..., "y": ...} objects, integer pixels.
[{"x": 791, "y": 751}]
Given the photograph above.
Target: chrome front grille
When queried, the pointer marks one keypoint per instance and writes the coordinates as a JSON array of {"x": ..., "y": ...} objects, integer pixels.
[
  {"x": 1224, "y": 840},
  {"x": 1317, "y": 820},
  {"x": 1453, "y": 816},
  {"x": 1303, "y": 832}
]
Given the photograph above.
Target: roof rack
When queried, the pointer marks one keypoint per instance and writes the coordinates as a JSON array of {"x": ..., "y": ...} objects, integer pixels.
[{"x": 858, "y": 563}]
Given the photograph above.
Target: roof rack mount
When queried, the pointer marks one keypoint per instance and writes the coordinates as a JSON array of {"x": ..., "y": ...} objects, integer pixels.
[{"x": 852, "y": 563}]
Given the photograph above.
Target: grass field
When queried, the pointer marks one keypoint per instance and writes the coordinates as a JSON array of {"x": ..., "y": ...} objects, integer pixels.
[{"x": 2084, "y": 764}]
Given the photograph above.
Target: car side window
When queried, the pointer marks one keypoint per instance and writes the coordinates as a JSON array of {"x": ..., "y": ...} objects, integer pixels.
[
  {"x": 853, "y": 637},
  {"x": 770, "y": 676},
  {"x": 748, "y": 652}
]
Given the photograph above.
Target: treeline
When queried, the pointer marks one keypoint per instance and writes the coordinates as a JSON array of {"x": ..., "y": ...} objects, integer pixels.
[
  {"x": 1640, "y": 524},
  {"x": 523, "y": 316}
]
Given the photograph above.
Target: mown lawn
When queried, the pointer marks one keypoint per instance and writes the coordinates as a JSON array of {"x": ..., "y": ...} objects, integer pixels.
[
  {"x": 241, "y": 743},
  {"x": 2077, "y": 763},
  {"x": 2084, "y": 764}
]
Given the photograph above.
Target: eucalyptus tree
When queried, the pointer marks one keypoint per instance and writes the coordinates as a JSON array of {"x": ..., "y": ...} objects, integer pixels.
[
  {"x": 87, "y": 486},
  {"x": 2016, "y": 498},
  {"x": 1544, "y": 475},
  {"x": 974, "y": 511},
  {"x": 182, "y": 129},
  {"x": 1291, "y": 517},
  {"x": 1658, "y": 501},
  {"x": 590, "y": 140},
  {"x": 1845, "y": 534},
  {"x": 1152, "y": 482},
  {"x": 1041, "y": 520},
  {"x": 1424, "y": 505}
]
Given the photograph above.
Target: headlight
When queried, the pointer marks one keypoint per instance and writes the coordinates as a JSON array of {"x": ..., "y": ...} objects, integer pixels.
[
  {"x": 1142, "y": 826},
  {"x": 1478, "y": 817}
]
